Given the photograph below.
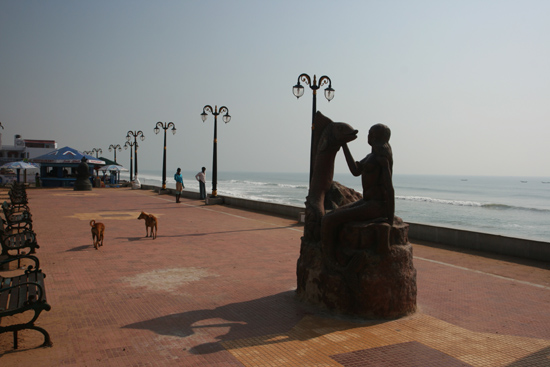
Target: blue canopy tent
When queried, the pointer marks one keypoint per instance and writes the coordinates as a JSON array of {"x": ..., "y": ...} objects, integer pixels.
[{"x": 58, "y": 168}]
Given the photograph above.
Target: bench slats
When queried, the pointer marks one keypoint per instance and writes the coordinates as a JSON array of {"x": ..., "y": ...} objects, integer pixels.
[
  {"x": 33, "y": 289},
  {"x": 14, "y": 294},
  {"x": 23, "y": 291},
  {"x": 4, "y": 296}
]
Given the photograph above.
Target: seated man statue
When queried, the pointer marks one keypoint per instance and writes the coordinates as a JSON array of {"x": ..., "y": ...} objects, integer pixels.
[{"x": 378, "y": 203}]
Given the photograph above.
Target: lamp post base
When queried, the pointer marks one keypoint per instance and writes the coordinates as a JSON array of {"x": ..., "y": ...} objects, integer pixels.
[{"x": 213, "y": 200}]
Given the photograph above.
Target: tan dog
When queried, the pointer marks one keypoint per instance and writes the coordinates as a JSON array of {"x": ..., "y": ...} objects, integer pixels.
[
  {"x": 98, "y": 229},
  {"x": 150, "y": 222}
]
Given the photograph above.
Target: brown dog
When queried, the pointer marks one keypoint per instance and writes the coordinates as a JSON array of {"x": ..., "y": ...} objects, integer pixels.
[
  {"x": 98, "y": 229},
  {"x": 150, "y": 222}
]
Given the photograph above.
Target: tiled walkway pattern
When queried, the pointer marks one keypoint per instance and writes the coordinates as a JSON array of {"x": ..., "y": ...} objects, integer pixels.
[{"x": 216, "y": 288}]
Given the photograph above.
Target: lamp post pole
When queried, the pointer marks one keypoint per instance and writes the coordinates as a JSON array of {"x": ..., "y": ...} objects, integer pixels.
[
  {"x": 165, "y": 126},
  {"x": 226, "y": 118},
  {"x": 115, "y": 147},
  {"x": 135, "y": 135},
  {"x": 126, "y": 145},
  {"x": 97, "y": 151},
  {"x": 298, "y": 91}
]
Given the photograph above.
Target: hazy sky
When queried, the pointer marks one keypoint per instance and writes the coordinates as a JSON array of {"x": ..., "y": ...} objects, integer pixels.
[{"x": 463, "y": 85}]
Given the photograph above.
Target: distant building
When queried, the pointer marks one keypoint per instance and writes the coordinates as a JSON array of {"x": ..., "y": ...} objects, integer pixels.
[{"x": 24, "y": 149}]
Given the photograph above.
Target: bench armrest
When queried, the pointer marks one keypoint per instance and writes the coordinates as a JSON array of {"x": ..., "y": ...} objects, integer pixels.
[
  {"x": 35, "y": 267},
  {"x": 31, "y": 299},
  {"x": 25, "y": 238}
]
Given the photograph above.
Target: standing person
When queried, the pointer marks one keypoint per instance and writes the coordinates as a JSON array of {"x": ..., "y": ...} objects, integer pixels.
[
  {"x": 37, "y": 180},
  {"x": 179, "y": 184},
  {"x": 201, "y": 177}
]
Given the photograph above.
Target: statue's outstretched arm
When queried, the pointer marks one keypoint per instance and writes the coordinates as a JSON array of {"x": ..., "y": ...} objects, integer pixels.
[{"x": 352, "y": 164}]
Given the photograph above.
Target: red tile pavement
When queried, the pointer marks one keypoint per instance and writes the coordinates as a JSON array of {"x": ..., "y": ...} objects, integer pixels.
[{"x": 218, "y": 275}]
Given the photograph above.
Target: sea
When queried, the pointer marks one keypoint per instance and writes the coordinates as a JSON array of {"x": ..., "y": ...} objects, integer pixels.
[{"x": 508, "y": 206}]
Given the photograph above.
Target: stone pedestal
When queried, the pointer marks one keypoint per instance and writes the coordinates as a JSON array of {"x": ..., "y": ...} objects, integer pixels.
[
  {"x": 369, "y": 275},
  {"x": 82, "y": 184}
]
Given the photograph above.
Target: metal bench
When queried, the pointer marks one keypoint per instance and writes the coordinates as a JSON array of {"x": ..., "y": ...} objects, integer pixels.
[
  {"x": 16, "y": 219},
  {"x": 18, "y": 197},
  {"x": 13, "y": 240},
  {"x": 23, "y": 293}
]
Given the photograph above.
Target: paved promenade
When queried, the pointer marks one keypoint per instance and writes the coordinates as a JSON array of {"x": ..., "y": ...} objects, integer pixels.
[{"x": 216, "y": 288}]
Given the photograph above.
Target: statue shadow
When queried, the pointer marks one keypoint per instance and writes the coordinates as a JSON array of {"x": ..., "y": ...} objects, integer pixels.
[
  {"x": 539, "y": 358},
  {"x": 260, "y": 319}
]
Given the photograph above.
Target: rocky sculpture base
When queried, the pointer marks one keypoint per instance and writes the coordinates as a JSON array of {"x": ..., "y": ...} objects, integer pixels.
[{"x": 369, "y": 276}]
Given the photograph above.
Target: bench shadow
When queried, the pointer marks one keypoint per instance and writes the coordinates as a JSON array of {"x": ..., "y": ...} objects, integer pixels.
[{"x": 259, "y": 319}]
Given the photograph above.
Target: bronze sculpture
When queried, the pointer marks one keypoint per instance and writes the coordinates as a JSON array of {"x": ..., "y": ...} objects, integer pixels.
[
  {"x": 329, "y": 136},
  {"x": 378, "y": 202},
  {"x": 356, "y": 259}
]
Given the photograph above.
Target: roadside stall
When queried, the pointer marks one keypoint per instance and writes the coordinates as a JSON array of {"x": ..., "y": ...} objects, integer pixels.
[{"x": 58, "y": 168}]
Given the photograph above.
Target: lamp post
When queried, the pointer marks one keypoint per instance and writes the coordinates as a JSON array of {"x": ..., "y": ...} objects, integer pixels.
[
  {"x": 165, "y": 126},
  {"x": 298, "y": 91},
  {"x": 135, "y": 134},
  {"x": 126, "y": 145},
  {"x": 114, "y": 147},
  {"x": 226, "y": 118},
  {"x": 97, "y": 151},
  {"x": 87, "y": 152}
]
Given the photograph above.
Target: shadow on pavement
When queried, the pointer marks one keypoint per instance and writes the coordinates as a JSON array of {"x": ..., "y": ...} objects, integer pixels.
[
  {"x": 258, "y": 319},
  {"x": 540, "y": 358}
]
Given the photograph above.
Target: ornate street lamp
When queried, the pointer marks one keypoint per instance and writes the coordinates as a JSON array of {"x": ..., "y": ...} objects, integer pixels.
[
  {"x": 87, "y": 152},
  {"x": 226, "y": 118},
  {"x": 97, "y": 151},
  {"x": 115, "y": 147},
  {"x": 298, "y": 91},
  {"x": 135, "y": 134},
  {"x": 165, "y": 126},
  {"x": 126, "y": 145}
]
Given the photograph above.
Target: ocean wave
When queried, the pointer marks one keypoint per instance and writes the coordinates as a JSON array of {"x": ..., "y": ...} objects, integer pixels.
[
  {"x": 267, "y": 184},
  {"x": 264, "y": 198},
  {"x": 513, "y": 207},
  {"x": 439, "y": 201},
  {"x": 491, "y": 206}
]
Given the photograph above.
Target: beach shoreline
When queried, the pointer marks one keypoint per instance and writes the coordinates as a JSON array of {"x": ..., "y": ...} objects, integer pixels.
[{"x": 453, "y": 237}]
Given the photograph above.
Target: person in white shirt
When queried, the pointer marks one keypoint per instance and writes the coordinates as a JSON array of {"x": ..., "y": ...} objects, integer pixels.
[{"x": 201, "y": 177}]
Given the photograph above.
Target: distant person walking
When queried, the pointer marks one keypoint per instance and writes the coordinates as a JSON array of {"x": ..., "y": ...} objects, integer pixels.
[
  {"x": 179, "y": 184},
  {"x": 201, "y": 177},
  {"x": 37, "y": 180}
]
